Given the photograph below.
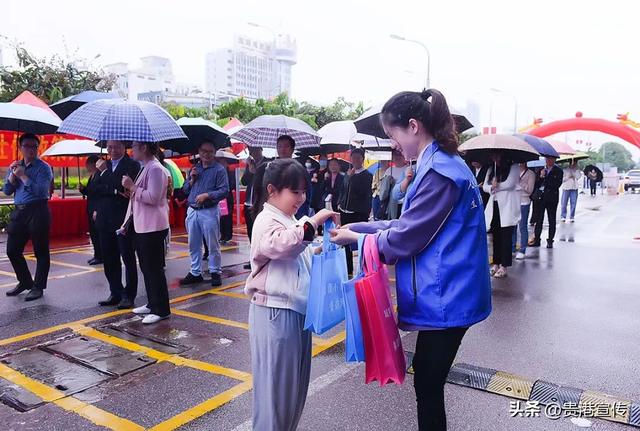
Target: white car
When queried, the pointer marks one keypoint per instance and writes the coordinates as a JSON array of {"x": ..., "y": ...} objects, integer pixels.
[{"x": 632, "y": 180}]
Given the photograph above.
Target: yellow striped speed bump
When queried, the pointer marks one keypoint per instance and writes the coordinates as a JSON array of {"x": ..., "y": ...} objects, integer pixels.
[{"x": 559, "y": 401}]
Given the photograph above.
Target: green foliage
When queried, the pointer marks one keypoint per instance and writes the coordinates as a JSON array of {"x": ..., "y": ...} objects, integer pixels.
[
  {"x": 51, "y": 79},
  {"x": 179, "y": 111},
  {"x": 463, "y": 137},
  {"x": 613, "y": 153},
  {"x": 5, "y": 213}
]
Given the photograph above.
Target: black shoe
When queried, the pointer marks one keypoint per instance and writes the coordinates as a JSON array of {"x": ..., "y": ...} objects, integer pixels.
[
  {"x": 534, "y": 243},
  {"x": 191, "y": 279},
  {"x": 216, "y": 280},
  {"x": 205, "y": 257},
  {"x": 95, "y": 261},
  {"x": 549, "y": 243},
  {"x": 111, "y": 300},
  {"x": 247, "y": 266},
  {"x": 16, "y": 290},
  {"x": 34, "y": 294},
  {"x": 125, "y": 304}
]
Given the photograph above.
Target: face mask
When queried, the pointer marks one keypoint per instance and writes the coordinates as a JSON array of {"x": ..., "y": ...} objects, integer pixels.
[
  {"x": 309, "y": 167},
  {"x": 323, "y": 164}
]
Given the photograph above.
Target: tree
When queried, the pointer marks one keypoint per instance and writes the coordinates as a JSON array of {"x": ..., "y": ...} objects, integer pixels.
[
  {"x": 613, "y": 153},
  {"x": 179, "y": 111},
  {"x": 51, "y": 79}
]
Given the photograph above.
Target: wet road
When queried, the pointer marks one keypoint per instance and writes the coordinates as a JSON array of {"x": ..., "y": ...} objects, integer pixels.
[{"x": 567, "y": 316}]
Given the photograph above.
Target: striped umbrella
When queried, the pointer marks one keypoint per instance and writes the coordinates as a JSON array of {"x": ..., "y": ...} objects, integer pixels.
[{"x": 265, "y": 130}]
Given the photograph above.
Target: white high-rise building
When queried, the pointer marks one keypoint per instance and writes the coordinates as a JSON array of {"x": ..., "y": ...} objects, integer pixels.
[
  {"x": 155, "y": 75},
  {"x": 252, "y": 68}
]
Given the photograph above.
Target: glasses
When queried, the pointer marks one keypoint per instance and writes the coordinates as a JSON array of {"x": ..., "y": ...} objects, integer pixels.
[{"x": 30, "y": 147}]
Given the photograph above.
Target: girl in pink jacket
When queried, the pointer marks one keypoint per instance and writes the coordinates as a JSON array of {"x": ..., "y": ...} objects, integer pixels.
[{"x": 279, "y": 287}]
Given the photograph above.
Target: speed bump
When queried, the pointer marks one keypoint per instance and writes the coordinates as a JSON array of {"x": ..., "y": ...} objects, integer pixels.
[
  {"x": 549, "y": 393},
  {"x": 471, "y": 376},
  {"x": 608, "y": 406},
  {"x": 510, "y": 385},
  {"x": 634, "y": 417}
]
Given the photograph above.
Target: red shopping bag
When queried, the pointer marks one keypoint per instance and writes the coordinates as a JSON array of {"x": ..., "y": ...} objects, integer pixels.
[{"x": 384, "y": 356}]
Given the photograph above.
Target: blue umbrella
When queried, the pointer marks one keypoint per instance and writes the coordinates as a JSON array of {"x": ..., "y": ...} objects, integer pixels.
[
  {"x": 540, "y": 145},
  {"x": 536, "y": 163},
  {"x": 66, "y": 106},
  {"x": 119, "y": 120}
]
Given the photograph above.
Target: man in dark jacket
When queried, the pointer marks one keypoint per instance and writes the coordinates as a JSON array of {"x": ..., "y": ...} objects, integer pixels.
[
  {"x": 548, "y": 183},
  {"x": 111, "y": 209},
  {"x": 90, "y": 193},
  {"x": 355, "y": 205}
]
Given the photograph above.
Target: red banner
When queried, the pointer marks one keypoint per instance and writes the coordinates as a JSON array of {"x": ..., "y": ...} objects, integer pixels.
[{"x": 9, "y": 151}]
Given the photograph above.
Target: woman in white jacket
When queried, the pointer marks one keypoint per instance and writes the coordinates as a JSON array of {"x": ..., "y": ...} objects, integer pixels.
[{"x": 502, "y": 213}]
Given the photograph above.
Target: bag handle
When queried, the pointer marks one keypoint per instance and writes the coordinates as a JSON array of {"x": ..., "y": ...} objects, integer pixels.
[
  {"x": 371, "y": 257},
  {"x": 361, "y": 240},
  {"x": 326, "y": 236}
]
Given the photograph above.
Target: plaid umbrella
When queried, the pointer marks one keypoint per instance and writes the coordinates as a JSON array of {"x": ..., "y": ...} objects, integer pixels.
[
  {"x": 265, "y": 130},
  {"x": 119, "y": 120}
]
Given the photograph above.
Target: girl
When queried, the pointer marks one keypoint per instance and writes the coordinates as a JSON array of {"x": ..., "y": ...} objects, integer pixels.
[
  {"x": 439, "y": 245},
  {"x": 503, "y": 210},
  {"x": 278, "y": 287}
]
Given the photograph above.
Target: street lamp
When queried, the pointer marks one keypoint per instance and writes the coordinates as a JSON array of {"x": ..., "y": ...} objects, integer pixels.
[
  {"x": 515, "y": 103},
  {"x": 397, "y": 37}
]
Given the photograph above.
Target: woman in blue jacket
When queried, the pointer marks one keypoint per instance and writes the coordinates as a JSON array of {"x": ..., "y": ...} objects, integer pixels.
[{"x": 439, "y": 245}]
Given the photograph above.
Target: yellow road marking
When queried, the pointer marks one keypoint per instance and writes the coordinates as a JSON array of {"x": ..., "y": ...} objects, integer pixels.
[
  {"x": 205, "y": 292},
  {"x": 95, "y": 415},
  {"x": 203, "y": 408},
  {"x": 161, "y": 356},
  {"x": 231, "y": 295},
  {"x": 327, "y": 344},
  {"x": 54, "y": 277},
  {"x": 68, "y": 265},
  {"x": 211, "y": 319},
  {"x": 8, "y": 274}
]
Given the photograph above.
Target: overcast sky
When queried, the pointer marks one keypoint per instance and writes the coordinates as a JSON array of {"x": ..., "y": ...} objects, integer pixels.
[{"x": 555, "y": 57}]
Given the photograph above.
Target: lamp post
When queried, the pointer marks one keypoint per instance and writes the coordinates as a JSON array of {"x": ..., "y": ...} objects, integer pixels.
[{"x": 402, "y": 38}]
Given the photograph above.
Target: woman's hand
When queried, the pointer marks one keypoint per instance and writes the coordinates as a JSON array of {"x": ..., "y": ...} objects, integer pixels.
[
  {"x": 343, "y": 236},
  {"x": 127, "y": 182}
]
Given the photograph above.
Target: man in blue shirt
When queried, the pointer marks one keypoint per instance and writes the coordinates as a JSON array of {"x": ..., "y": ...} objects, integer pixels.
[
  {"x": 29, "y": 181},
  {"x": 208, "y": 184}
]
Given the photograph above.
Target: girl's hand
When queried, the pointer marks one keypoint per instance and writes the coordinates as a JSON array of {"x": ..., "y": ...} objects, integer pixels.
[
  {"x": 323, "y": 215},
  {"x": 317, "y": 250},
  {"x": 343, "y": 236}
]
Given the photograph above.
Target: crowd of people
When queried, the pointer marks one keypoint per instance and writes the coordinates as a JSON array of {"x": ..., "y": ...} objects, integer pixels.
[{"x": 429, "y": 219}]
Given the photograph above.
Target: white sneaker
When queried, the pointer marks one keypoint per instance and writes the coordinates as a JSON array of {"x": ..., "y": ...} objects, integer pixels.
[
  {"x": 141, "y": 310},
  {"x": 153, "y": 318},
  {"x": 520, "y": 255}
]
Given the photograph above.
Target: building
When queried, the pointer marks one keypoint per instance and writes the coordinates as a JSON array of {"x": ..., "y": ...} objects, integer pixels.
[
  {"x": 252, "y": 68},
  {"x": 155, "y": 75}
]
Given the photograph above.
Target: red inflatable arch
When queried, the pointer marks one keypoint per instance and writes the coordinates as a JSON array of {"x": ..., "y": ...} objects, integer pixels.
[{"x": 592, "y": 124}]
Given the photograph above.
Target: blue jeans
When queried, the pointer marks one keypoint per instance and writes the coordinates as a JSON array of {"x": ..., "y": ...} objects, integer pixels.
[
  {"x": 572, "y": 197},
  {"x": 204, "y": 223},
  {"x": 523, "y": 228}
]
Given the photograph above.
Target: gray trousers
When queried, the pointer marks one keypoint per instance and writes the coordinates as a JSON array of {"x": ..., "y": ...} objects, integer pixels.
[{"x": 281, "y": 366}]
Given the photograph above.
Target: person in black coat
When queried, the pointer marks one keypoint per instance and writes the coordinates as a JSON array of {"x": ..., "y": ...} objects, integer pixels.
[
  {"x": 333, "y": 184},
  {"x": 111, "y": 209},
  {"x": 480, "y": 172},
  {"x": 89, "y": 191},
  {"x": 548, "y": 184},
  {"x": 355, "y": 204}
]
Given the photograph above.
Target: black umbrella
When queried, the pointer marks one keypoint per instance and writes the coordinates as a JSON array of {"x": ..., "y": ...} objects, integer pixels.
[
  {"x": 66, "y": 106},
  {"x": 369, "y": 123},
  {"x": 589, "y": 168},
  {"x": 198, "y": 130},
  {"x": 514, "y": 149}
]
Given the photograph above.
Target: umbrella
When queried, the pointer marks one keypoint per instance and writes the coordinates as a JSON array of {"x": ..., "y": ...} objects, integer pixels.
[
  {"x": 537, "y": 163},
  {"x": 72, "y": 148},
  {"x": 267, "y": 153},
  {"x": 176, "y": 173},
  {"x": 336, "y": 137},
  {"x": 198, "y": 130},
  {"x": 574, "y": 157},
  {"x": 231, "y": 158},
  {"x": 540, "y": 145},
  {"x": 66, "y": 106},
  {"x": 562, "y": 147},
  {"x": 18, "y": 117},
  {"x": 514, "y": 149},
  {"x": 599, "y": 174},
  {"x": 369, "y": 122},
  {"x": 265, "y": 130},
  {"x": 372, "y": 143},
  {"x": 119, "y": 120}
]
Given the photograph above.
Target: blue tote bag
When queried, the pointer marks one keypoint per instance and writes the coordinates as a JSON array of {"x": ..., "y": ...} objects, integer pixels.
[
  {"x": 325, "y": 306},
  {"x": 354, "y": 343}
]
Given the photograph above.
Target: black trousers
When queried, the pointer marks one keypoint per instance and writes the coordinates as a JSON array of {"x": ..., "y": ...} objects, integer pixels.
[
  {"x": 435, "y": 352},
  {"x": 592, "y": 185},
  {"x": 346, "y": 218},
  {"x": 149, "y": 247},
  {"x": 226, "y": 228},
  {"x": 551, "y": 207},
  {"x": 30, "y": 222},
  {"x": 502, "y": 238},
  {"x": 248, "y": 219},
  {"x": 114, "y": 248},
  {"x": 95, "y": 238}
]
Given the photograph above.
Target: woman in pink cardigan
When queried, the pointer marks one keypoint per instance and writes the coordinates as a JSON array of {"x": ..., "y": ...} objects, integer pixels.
[{"x": 148, "y": 219}]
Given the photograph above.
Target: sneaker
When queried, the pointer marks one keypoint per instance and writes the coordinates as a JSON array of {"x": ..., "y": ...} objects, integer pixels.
[
  {"x": 520, "y": 256},
  {"x": 141, "y": 310},
  {"x": 216, "y": 279},
  {"x": 500, "y": 273},
  {"x": 493, "y": 269},
  {"x": 563, "y": 220},
  {"x": 153, "y": 318},
  {"x": 191, "y": 279},
  {"x": 572, "y": 220}
]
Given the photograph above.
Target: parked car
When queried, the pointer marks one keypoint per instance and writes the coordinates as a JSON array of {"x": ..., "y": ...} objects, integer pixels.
[{"x": 632, "y": 180}]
